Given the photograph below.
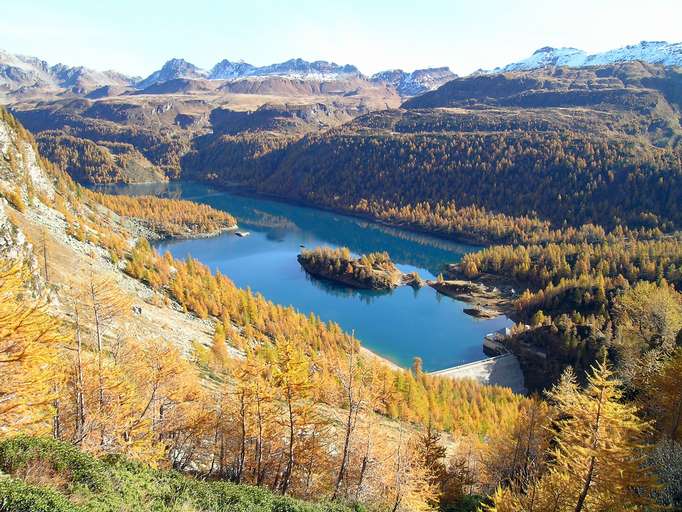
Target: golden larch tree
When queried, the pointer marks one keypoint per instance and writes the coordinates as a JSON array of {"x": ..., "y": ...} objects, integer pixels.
[
  {"x": 29, "y": 339},
  {"x": 598, "y": 455}
]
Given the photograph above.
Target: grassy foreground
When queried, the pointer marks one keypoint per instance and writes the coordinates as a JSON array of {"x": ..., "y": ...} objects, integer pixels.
[{"x": 44, "y": 475}]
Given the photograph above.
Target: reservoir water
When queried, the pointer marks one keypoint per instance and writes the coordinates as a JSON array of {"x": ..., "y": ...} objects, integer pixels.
[{"x": 398, "y": 325}]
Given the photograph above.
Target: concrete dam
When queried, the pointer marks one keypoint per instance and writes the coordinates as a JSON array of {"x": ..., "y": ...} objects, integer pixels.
[{"x": 503, "y": 370}]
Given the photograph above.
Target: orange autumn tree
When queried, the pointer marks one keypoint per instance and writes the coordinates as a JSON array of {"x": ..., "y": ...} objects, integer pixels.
[
  {"x": 29, "y": 338},
  {"x": 597, "y": 462},
  {"x": 168, "y": 401},
  {"x": 292, "y": 379}
]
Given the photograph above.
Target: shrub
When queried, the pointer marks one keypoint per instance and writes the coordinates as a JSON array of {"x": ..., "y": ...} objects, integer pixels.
[
  {"x": 115, "y": 484},
  {"x": 17, "y": 496},
  {"x": 15, "y": 199},
  {"x": 18, "y": 453}
]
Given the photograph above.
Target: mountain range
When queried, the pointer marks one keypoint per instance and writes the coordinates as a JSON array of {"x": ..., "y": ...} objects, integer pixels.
[
  {"x": 652, "y": 52},
  {"x": 19, "y": 71},
  {"x": 23, "y": 76},
  {"x": 182, "y": 118}
]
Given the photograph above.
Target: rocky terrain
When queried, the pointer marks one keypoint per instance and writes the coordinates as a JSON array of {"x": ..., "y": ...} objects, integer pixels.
[
  {"x": 33, "y": 227},
  {"x": 414, "y": 83},
  {"x": 486, "y": 301}
]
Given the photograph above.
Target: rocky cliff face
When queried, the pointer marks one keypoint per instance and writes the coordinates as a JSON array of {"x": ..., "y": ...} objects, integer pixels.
[
  {"x": 416, "y": 82},
  {"x": 33, "y": 199},
  {"x": 21, "y": 179}
]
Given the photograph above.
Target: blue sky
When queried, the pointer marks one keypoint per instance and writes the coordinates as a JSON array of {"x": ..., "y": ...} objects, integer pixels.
[{"x": 137, "y": 36}]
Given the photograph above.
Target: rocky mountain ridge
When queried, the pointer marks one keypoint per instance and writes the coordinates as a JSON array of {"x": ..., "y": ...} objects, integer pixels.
[
  {"x": 405, "y": 83},
  {"x": 22, "y": 74},
  {"x": 25, "y": 76},
  {"x": 652, "y": 52},
  {"x": 416, "y": 82}
]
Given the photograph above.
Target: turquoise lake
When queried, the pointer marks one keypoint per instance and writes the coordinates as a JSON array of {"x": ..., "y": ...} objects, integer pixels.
[{"x": 398, "y": 325}]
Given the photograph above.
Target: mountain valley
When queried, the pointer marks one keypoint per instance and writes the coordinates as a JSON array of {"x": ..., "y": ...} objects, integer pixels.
[{"x": 150, "y": 359}]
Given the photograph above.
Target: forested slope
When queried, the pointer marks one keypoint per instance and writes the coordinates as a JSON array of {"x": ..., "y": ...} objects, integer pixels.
[
  {"x": 111, "y": 347},
  {"x": 284, "y": 401},
  {"x": 570, "y": 147}
]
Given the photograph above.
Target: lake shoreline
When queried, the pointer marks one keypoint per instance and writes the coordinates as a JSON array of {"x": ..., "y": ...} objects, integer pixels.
[
  {"x": 246, "y": 191},
  {"x": 394, "y": 327}
]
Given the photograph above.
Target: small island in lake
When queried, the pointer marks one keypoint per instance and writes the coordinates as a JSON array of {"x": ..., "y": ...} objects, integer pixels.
[{"x": 373, "y": 271}]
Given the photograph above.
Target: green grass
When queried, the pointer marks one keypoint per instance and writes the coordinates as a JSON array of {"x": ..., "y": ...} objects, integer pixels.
[{"x": 42, "y": 475}]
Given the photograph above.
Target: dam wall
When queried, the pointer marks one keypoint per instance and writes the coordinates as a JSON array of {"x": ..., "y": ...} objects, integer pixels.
[{"x": 503, "y": 370}]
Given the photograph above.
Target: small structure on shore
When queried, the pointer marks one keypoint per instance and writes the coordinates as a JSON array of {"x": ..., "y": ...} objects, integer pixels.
[{"x": 492, "y": 342}]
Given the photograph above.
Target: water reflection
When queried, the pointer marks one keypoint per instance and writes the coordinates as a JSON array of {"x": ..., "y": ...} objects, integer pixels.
[
  {"x": 339, "y": 290},
  {"x": 359, "y": 235},
  {"x": 399, "y": 324}
]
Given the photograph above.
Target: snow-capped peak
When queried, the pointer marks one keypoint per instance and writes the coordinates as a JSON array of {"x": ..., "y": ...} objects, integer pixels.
[
  {"x": 174, "y": 68},
  {"x": 230, "y": 70},
  {"x": 416, "y": 82},
  {"x": 653, "y": 52},
  {"x": 226, "y": 69},
  {"x": 304, "y": 68}
]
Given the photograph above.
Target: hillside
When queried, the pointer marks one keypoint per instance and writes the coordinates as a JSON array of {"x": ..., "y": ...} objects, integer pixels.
[
  {"x": 126, "y": 352},
  {"x": 186, "y": 120},
  {"x": 603, "y": 144},
  {"x": 162, "y": 124},
  {"x": 132, "y": 360},
  {"x": 43, "y": 475}
]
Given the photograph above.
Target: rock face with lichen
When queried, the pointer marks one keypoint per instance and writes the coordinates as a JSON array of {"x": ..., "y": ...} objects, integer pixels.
[{"x": 20, "y": 179}]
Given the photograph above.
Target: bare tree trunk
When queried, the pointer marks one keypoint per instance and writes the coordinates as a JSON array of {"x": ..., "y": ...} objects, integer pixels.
[
  {"x": 221, "y": 456},
  {"x": 288, "y": 469},
  {"x": 215, "y": 436},
  {"x": 80, "y": 396},
  {"x": 309, "y": 469},
  {"x": 56, "y": 427},
  {"x": 349, "y": 426},
  {"x": 100, "y": 355},
  {"x": 259, "y": 440},
  {"x": 365, "y": 461},
  {"x": 531, "y": 428},
  {"x": 278, "y": 473},
  {"x": 532, "y": 496},
  {"x": 398, "y": 476},
  {"x": 242, "y": 441},
  {"x": 586, "y": 487}
]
